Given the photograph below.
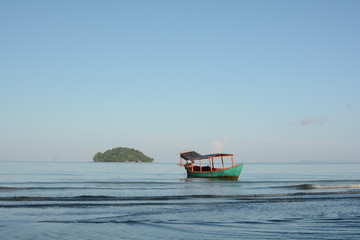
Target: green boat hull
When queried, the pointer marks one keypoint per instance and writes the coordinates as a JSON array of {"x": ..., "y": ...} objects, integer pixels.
[{"x": 232, "y": 173}]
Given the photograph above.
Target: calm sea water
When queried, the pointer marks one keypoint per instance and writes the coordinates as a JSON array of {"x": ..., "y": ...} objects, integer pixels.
[{"x": 86, "y": 200}]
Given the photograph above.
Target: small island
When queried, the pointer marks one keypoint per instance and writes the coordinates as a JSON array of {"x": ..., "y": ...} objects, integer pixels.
[{"x": 121, "y": 154}]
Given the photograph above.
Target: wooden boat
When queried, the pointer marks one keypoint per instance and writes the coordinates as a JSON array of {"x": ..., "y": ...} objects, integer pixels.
[{"x": 196, "y": 168}]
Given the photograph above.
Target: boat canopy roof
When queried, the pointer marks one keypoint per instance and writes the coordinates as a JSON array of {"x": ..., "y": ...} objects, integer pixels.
[{"x": 192, "y": 155}]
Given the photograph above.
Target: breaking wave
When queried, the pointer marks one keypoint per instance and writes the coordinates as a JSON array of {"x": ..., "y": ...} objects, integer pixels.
[
  {"x": 314, "y": 186},
  {"x": 103, "y": 201}
]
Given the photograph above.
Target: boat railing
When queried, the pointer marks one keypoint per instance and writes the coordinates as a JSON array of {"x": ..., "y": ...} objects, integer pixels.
[{"x": 197, "y": 165}]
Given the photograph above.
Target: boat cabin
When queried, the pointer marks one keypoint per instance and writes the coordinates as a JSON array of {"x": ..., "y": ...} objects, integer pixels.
[{"x": 196, "y": 162}]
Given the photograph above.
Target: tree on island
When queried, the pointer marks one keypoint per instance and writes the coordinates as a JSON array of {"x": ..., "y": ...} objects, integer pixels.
[{"x": 121, "y": 154}]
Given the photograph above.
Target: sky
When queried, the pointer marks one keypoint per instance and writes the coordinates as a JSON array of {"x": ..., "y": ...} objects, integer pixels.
[{"x": 270, "y": 81}]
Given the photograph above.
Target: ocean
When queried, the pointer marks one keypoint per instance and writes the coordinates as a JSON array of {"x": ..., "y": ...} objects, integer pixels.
[{"x": 87, "y": 200}]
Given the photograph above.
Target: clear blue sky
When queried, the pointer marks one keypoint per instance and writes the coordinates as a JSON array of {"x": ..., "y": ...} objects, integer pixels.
[{"x": 271, "y": 81}]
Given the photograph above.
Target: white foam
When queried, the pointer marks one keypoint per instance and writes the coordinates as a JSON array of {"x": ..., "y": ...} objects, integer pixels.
[{"x": 355, "y": 186}]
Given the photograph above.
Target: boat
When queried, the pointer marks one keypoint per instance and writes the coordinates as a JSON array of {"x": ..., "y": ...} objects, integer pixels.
[{"x": 210, "y": 165}]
